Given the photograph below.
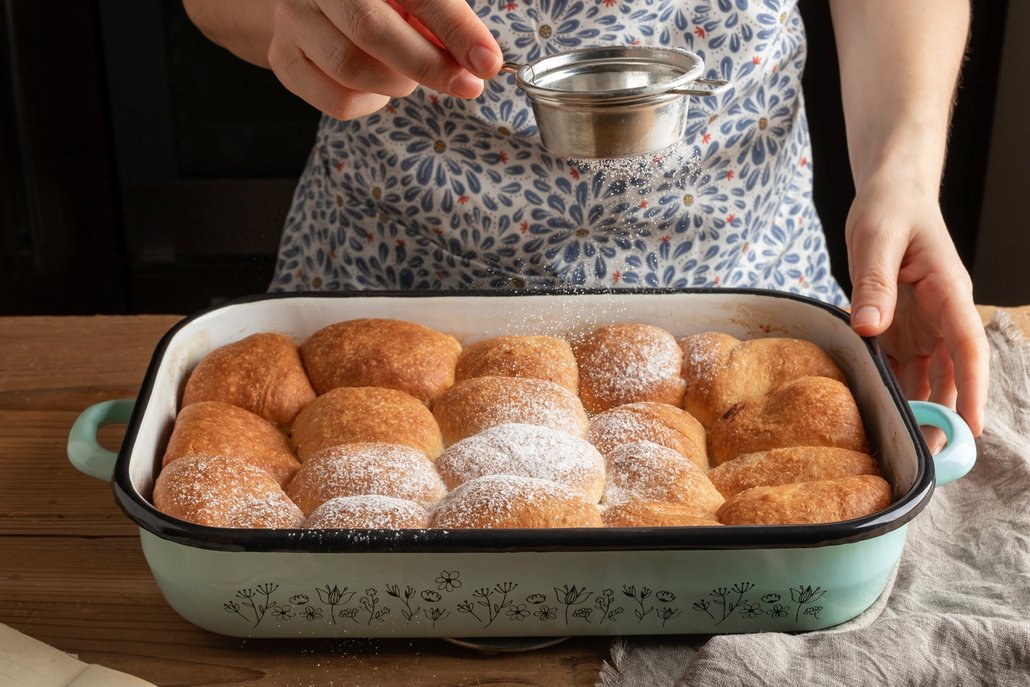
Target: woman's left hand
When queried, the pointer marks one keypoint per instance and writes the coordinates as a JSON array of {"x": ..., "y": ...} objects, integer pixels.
[{"x": 911, "y": 290}]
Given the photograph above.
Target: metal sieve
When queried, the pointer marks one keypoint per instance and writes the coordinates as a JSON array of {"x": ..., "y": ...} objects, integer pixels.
[{"x": 612, "y": 102}]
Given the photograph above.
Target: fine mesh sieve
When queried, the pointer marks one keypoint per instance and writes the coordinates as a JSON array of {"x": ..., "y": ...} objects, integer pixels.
[{"x": 612, "y": 102}]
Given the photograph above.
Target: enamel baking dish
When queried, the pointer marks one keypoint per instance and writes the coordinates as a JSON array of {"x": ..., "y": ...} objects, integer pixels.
[{"x": 506, "y": 583}]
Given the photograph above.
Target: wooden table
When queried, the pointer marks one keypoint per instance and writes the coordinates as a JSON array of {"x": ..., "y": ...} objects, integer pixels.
[{"x": 72, "y": 573}]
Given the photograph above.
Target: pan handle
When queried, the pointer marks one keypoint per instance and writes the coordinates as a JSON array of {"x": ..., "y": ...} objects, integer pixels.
[
  {"x": 959, "y": 455},
  {"x": 718, "y": 86},
  {"x": 84, "y": 451}
]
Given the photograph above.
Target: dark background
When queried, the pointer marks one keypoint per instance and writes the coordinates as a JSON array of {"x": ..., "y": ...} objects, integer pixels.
[{"x": 144, "y": 169}]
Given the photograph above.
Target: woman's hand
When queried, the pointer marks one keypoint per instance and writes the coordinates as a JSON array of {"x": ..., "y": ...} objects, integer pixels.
[
  {"x": 349, "y": 57},
  {"x": 911, "y": 289}
]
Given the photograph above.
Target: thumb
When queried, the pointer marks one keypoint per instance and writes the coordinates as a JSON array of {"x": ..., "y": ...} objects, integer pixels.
[{"x": 875, "y": 259}]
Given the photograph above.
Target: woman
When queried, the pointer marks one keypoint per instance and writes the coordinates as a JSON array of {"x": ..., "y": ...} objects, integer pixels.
[{"x": 428, "y": 172}]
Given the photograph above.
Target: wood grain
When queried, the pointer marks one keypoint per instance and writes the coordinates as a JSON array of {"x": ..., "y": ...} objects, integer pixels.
[{"x": 72, "y": 573}]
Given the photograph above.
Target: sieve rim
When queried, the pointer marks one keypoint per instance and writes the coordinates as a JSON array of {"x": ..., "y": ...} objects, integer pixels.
[{"x": 527, "y": 74}]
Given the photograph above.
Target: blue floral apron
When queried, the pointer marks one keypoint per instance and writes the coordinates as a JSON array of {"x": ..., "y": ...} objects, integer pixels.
[{"x": 435, "y": 192}]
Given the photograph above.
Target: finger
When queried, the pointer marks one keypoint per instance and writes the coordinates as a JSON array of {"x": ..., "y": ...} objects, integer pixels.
[
  {"x": 915, "y": 378},
  {"x": 942, "y": 377},
  {"x": 966, "y": 342},
  {"x": 379, "y": 31},
  {"x": 337, "y": 57},
  {"x": 874, "y": 260},
  {"x": 463, "y": 33},
  {"x": 302, "y": 78}
]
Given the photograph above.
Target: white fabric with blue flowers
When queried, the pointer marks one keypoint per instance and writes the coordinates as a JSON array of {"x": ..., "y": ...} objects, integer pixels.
[{"x": 434, "y": 192}]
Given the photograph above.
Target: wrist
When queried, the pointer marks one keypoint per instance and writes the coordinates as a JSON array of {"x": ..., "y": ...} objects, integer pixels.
[{"x": 909, "y": 155}]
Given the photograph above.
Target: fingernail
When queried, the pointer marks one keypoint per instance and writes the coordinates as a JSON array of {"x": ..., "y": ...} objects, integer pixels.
[
  {"x": 466, "y": 85},
  {"x": 483, "y": 59},
  {"x": 866, "y": 316}
]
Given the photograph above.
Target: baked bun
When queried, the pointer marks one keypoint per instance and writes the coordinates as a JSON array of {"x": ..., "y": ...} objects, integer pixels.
[
  {"x": 721, "y": 371},
  {"x": 368, "y": 512},
  {"x": 223, "y": 492},
  {"x": 788, "y": 465},
  {"x": 472, "y": 405},
  {"x": 218, "y": 429},
  {"x": 655, "y": 514},
  {"x": 659, "y": 423},
  {"x": 506, "y": 501},
  {"x": 810, "y": 411},
  {"x": 625, "y": 363},
  {"x": 376, "y": 352},
  {"x": 648, "y": 472},
  {"x": 261, "y": 373},
  {"x": 807, "y": 503},
  {"x": 532, "y": 357},
  {"x": 365, "y": 469},
  {"x": 351, "y": 415},
  {"x": 525, "y": 451}
]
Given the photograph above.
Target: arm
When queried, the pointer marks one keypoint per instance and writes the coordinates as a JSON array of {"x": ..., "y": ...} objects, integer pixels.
[
  {"x": 899, "y": 64},
  {"x": 349, "y": 57}
]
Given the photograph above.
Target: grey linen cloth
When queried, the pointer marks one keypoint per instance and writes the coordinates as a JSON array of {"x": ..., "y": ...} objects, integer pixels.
[{"x": 957, "y": 611}]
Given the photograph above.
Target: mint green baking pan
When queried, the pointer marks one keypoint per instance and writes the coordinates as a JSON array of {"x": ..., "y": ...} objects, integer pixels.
[{"x": 504, "y": 583}]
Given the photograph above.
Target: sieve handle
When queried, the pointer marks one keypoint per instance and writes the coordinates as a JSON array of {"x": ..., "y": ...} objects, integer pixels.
[
  {"x": 718, "y": 85},
  {"x": 510, "y": 67}
]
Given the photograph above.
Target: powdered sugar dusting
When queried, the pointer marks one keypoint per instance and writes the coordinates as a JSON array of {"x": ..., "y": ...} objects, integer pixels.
[
  {"x": 489, "y": 401},
  {"x": 628, "y": 361},
  {"x": 528, "y": 451},
  {"x": 368, "y": 512},
  {"x": 499, "y": 501}
]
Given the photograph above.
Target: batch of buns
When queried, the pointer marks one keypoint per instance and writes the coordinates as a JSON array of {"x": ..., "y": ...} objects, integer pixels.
[{"x": 380, "y": 423}]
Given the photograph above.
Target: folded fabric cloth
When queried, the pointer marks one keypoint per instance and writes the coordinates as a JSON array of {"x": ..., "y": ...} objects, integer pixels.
[
  {"x": 957, "y": 611},
  {"x": 26, "y": 662}
]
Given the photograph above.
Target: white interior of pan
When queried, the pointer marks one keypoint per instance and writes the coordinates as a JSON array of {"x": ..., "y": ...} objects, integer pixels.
[{"x": 470, "y": 318}]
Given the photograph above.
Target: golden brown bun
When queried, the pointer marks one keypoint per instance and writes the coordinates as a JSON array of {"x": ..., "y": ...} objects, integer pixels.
[
  {"x": 505, "y": 501},
  {"x": 376, "y": 352},
  {"x": 659, "y": 423},
  {"x": 261, "y": 373},
  {"x": 625, "y": 363},
  {"x": 472, "y": 405},
  {"x": 525, "y": 451},
  {"x": 368, "y": 512},
  {"x": 655, "y": 514},
  {"x": 223, "y": 492},
  {"x": 810, "y": 411},
  {"x": 807, "y": 503},
  {"x": 648, "y": 472},
  {"x": 788, "y": 465},
  {"x": 532, "y": 357},
  {"x": 721, "y": 371},
  {"x": 365, "y": 469},
  {"x": 350, "y": 415},
  {"x": 219, "y": 429}
]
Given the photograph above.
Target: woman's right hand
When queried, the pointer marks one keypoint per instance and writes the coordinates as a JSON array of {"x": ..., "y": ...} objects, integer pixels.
[{"x": 349, "y": 57}]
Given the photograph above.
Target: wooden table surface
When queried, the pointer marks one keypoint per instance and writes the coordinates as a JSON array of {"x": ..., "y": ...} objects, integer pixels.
[{"x": 72, "y": 573}]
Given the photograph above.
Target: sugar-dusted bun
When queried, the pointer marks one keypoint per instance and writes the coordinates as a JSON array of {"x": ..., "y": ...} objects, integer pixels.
[
  {"x": 788, "y": 465},
  {"x": 506, "y": 501},
  {"x": 807, "y": 503},
  {"x": 472, "y": 405},
  {"x": 365, "y": 469},
  {"x": 721, "y": 371},
  {"x": 525, "y": 451},
  {"x": 625, "y": 363},
  {"x": 223, "y": 492},
  {"x": 213, "y": 428},
  {"x": 655, "y": 514},
  {"x": 349, "y": 415},
  {"x": 368, "y": 512},
  {"x": 810, "y": 411},
  {"x": 644, "y": 471},
  {"x": 533, "y": 357},
  {"x": 378, "y": 352},
  {"x": 659, "y": 423},
  {"x": 261, "y": 373}
]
